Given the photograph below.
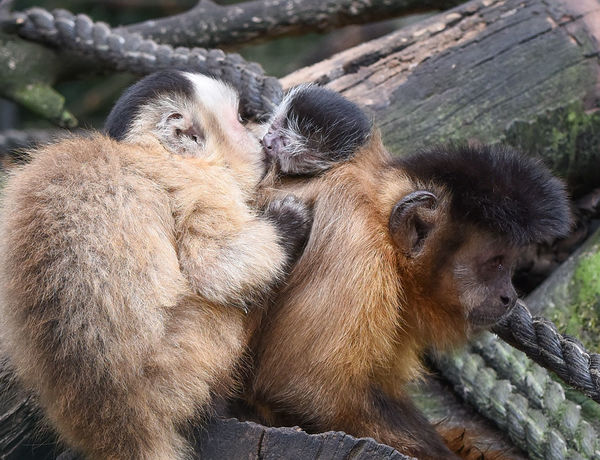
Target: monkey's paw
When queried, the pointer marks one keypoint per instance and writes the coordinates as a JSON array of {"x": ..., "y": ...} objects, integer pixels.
[{"x": 293, "y": 219}]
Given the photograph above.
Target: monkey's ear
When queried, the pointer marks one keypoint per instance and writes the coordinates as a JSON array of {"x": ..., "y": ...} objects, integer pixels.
[
  {"x": 408, "y": 226},
  {"x": 176, "y": 125}
]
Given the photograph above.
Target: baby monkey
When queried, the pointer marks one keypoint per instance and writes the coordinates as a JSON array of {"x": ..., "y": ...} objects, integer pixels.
[
  {"x": 127, "y": 262},
  {"x": 404, "y": 255}
]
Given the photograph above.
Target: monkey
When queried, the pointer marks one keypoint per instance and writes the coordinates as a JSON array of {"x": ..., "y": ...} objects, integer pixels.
[
  {"x": 129, "y": 260},
  {"x": 311, "y": 130},
  {"x": 405, "y": 255}
]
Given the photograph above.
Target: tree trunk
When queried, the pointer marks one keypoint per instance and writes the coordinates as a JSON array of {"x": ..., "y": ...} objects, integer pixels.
[{"x": 526, "y": 73}]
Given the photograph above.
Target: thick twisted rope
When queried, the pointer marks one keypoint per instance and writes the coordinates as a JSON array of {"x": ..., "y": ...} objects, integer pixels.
[
  {"x": 564, "y": 355},
  {"x": 131, "y": 52},
  {"x": 520, "y": 396},
  {"x": 529, "y": 406}
]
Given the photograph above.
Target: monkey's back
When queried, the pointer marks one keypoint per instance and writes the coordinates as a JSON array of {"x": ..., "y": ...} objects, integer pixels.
[{"x": 88, "y": 264}]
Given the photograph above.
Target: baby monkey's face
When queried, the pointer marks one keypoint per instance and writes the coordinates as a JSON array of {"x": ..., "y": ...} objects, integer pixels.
[
  {"x": 196, "y": 116},
  {"x": 312, "y": 129}
]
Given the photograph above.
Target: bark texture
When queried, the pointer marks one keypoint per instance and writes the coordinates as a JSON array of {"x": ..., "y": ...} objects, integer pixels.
[{"x": 526, "y": 73}]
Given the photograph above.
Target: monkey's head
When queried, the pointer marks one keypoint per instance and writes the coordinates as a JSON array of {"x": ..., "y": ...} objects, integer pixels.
[
  {"x": 188, "y": 113},
  {"x": 459, "y": 231},
  {"x": 312, "y": 129}
]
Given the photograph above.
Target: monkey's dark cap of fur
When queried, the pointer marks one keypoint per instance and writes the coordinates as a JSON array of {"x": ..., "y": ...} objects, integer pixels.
[
  {"x": 118, "y": 122},
  {"x": 337, "y": 126},
  {"x": 498, "y": 189}
]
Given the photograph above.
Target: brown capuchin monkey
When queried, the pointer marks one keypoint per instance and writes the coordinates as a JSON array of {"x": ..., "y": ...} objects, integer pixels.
[
  {"x": 404, "y": 255},
  {"x": 128, "y": 262}
]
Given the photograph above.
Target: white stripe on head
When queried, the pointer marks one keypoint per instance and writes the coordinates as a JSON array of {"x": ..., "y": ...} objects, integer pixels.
[{"x": 211, "y": 93}]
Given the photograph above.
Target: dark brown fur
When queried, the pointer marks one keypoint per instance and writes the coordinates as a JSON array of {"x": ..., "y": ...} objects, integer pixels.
[{"x": 359, "y": 309}]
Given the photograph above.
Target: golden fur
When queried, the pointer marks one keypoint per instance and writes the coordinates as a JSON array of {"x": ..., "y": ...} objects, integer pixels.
[{"x": 122, "y": 265}]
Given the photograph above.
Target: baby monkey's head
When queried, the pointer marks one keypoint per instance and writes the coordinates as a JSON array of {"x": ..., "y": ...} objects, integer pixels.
[
  {"x": 188, "y": 113},
  {"x": 312, "y": 129}
]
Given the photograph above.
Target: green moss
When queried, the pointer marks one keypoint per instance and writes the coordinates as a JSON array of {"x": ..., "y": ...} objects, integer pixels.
[
  {"x": 567, "y": 139},
  {"x": 42, "y": 99},
  {"x": 580, "y": 314},
  {"x": 27, "y": 72},
  {"x": 587, "y": 281}
]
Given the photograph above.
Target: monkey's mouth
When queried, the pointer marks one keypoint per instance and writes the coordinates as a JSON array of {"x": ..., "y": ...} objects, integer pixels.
[{"x": 486, "y": 320}]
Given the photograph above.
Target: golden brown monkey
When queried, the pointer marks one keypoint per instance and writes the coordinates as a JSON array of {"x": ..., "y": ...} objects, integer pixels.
[
  {"x": 404, "y": 255},
  {"x": 127, "y": 263}
]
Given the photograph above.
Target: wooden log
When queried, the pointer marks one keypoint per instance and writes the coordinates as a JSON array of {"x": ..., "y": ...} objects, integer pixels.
[
  {"x": 211, "y": 25},
  {"x": 232, "y": 439},
  {"x": 525, "y": 73}
]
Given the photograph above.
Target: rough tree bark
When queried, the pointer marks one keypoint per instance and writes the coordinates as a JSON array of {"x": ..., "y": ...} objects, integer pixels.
[
  {"x": 526, "y": 73},
  {"x": 31, "y": 69}
]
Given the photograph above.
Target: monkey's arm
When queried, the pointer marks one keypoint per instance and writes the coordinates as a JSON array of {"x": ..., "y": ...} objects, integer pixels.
[{"x": 232, "y": 255}]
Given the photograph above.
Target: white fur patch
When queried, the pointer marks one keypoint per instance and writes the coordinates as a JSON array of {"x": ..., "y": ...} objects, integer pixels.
[{"x": 215, "y": 95}]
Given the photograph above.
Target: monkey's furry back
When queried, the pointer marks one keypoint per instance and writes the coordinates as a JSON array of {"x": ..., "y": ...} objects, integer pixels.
[
  {"x": 72, "y": 243},
  {"x": 94, "y": 306}
]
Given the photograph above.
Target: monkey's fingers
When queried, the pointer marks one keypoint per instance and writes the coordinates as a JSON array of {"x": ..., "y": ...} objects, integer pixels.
[{"x": 293, "y": 219}]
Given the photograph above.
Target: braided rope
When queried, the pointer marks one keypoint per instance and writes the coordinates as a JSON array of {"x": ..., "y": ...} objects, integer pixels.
[
  {"x": 542, "y": 392},
  {"x": 125, "y": 51},
  {"x": 564, "y": 355},
  {"x": 530, "y": 407}
]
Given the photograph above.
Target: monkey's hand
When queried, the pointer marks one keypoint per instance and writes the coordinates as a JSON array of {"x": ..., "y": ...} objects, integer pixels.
[{"x": 293, "y": 220}]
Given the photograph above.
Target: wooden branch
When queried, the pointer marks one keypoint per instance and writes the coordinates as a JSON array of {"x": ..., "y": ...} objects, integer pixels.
[
  {"x": 210, "y": 25},
  {"x": 232, "y": 439},
  {"x": 19, "y": 418},
  {"x": 27, "y": 73}
]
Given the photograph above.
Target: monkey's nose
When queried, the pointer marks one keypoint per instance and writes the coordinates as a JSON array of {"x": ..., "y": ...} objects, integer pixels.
[
  {"x": 509, "y": 301},
  {"x": 272, "y": 143}
]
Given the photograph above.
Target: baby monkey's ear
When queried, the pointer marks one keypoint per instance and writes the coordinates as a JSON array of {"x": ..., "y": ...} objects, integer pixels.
[{"x": 412, "y": 220}]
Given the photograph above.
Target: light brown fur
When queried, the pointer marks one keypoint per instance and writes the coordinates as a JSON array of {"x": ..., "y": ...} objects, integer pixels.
[
  {"x": 122, "y": 265},
  {"x": 349, "y": 329}
]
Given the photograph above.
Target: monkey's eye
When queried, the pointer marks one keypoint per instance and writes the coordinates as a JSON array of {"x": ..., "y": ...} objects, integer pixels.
[
  {"x": 195, "y": 138},
  {"x": 496, "y": 262},
  {"x": 241, "y": 119}
]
